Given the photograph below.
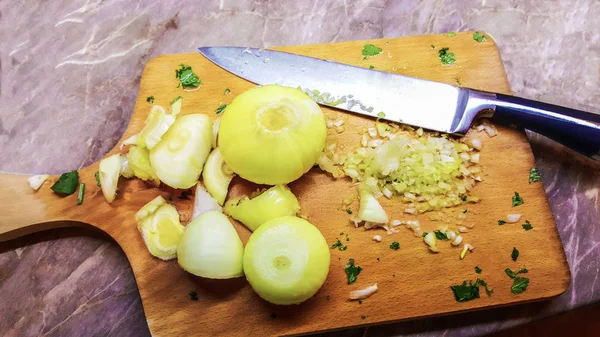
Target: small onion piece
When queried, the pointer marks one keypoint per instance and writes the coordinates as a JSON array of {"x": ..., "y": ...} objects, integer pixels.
[
  {"x": 431, "y": 241},
  {"x": 157, "y": 124},
  {"x": 476, "y": 143},
  {"x": 513, "y": 218},
  {"x": 108, "y": 172},
  {"x": 36, "y": 181},
  {"x": 377, "y": 238},
  {"x": 210, "y": 247},
  {"x": 466, "y": 247},
  {"x": 204, "y": 202},
  {"x": 272, "y": 134},
  {"x": 275, "y": 202},
  {"x": 361, "y": 294},
  {"x": 158, "y": 223},
  {"x": 370, "y": 210},
  {"x": 457, "y": 240},
  {"x": 179, "y": 157}
]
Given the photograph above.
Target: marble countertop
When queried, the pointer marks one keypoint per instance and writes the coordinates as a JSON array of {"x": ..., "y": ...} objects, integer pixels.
[{"x": 69, "y": 75}]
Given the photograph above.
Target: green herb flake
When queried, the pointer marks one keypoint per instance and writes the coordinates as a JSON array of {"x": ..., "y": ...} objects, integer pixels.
[
  {"x": 514, "y": 254},
  {"x": 352, "y": 271},
  {"x": 67, "y": 183},
  {"x": 328, "y": 297},
  {"x": 338, "y": 244},
  {"x": 363, "y": 316},
  {"x": 80, "y": 195},
  {"x": 227, "y": 92},
  {"x": 501, "y": 222},
  {"x": 187, "y": 78},
  {"x": 534, "y": 175},
  {"x": 193, "y": 295},
  {"x": 527, "y": 225},
  {"x": 371, "y": 67},
  {"x": 513, "y": 274},
  {"x": 341, "y": 233},
  {"x": 370, "y": 50},
  {"x": 464, "y": 197},
  {"x": 349, "y": 211},
  {"x": 432, "y": 47},
  {"x": 519, "y": 285},
  {"x": 457, "y": 81},
  {"x": 359, "y": 302},
  {"x": 150, "y": 99},
  {"x": 446, "y": 57},
  {"x": 477, "y": 36},
  {"x": 220, "y": 109},
  {"x": 97, "y": 176},
  {"x": 381, "y": 114},
  {"x": 395, "y": 245},
  {"x": 478, "y": 270},
  {"x": 440, "y": 236},
  {"x": 517, "y": 200},
  {"x": 451, "y": 34},
  {"x": 465, "y": 292}
]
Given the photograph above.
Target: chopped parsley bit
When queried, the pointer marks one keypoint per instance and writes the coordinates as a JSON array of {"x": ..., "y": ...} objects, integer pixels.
[
  {"x": 193, "y": 295},
  {"x": 432, "y": 47},
  {"x": 370, "y": 50},
  {"x": 227, "y": 92},
  {"x": 477, "y": 36},
  {"x": 445, "y": 57},
  {"x": 363, "y": 316},
  {"x": 67, "y": 183},
  {"x": 187, "y": 78},
  {"x": 220, "y": 109},
  {"x": 478, "y": 270},
  {"x": 185, "y": 195},
  {"x": 463, "y": 197},
  {"x": 349, "y": 211},
  {"x": 359, "y": 302},
  {"x": 352, "y": 270},
  {"x": 80, "y": 196},
  {"x": 501, "y": 222},
  {"x": 395, "y": 245},
  {"x": 371, "y": 67},
  {"x": 328, "y": 297},
  {"x": 381, "y": 114},
  {"x": 347, "y": 238},
  {"x": 440, "y": 236},
  {"x": 517, "y": 200},
  {"x": 534, "y": 175},
  {"x": 338, "y": 244},
  {"x": 97, "y": 176},
  {"x": 273, "y": 316},
  {"x": 451, "y": 34},
  {"x": 377, "y": 259},
  {"x": 465, "y": 211},
  {"x": 519, "y": 285},
  {"x": 150, "y": 99},
  {"x": 457, "y": 80},
  {"x": 527, "y": 225},
  {"x": 466, "y": 292},
  {"x": 512, "y": 274},
  {"x": 514, "y": 254},
  {"x": 341, "y": 233}
]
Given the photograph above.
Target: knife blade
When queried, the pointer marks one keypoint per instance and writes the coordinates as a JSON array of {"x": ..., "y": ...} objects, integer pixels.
[{"x": 397, "y": 98}]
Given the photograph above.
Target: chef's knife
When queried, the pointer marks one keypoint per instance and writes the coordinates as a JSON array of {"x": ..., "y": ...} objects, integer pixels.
[{"x": 427, "y": 104}]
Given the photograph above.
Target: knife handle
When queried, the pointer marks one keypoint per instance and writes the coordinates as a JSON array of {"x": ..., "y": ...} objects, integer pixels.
[{"x": 578, "y": 130}]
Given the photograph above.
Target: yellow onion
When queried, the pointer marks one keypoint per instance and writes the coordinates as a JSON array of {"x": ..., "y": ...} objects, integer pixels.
[{"x": 272, "y": 134}]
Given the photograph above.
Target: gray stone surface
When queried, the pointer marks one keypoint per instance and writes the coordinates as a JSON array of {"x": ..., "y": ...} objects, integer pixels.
[{"x": 69, "y": 75}]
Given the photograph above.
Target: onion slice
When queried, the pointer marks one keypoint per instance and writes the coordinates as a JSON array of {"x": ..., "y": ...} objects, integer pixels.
[{"x": 36, "y": 181}]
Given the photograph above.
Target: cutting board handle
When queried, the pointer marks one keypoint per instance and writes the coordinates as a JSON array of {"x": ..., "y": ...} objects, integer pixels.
[{"x": 24, "y": 211}]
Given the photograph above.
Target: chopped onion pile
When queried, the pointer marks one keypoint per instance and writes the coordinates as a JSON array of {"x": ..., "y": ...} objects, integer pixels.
[{"x": 430, "y": 171}]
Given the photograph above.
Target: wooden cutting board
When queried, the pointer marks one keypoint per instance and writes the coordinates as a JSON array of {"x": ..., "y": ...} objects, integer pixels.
[{"x": 412, "y": 281}]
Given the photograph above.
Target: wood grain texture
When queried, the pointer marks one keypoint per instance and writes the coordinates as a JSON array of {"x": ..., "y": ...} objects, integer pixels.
[{"x": 413, "y": 282}]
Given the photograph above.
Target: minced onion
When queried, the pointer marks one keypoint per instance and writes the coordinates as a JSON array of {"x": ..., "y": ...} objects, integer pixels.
[
  {"x": 377, "y": 238},
  {"x": 513, "y": 218},
  {"x": 466, "y": 247},
  {"x": 431, "y": 241}
]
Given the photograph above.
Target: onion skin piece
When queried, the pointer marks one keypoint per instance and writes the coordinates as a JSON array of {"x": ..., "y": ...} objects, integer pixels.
[
  {"x": 179, "y": 157},
  {"x": 275, "y": 202},
  {"x": 210, "y": 247},
  {"x": 286, "y": 260},
  {"x": 272, "y": 134}
]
